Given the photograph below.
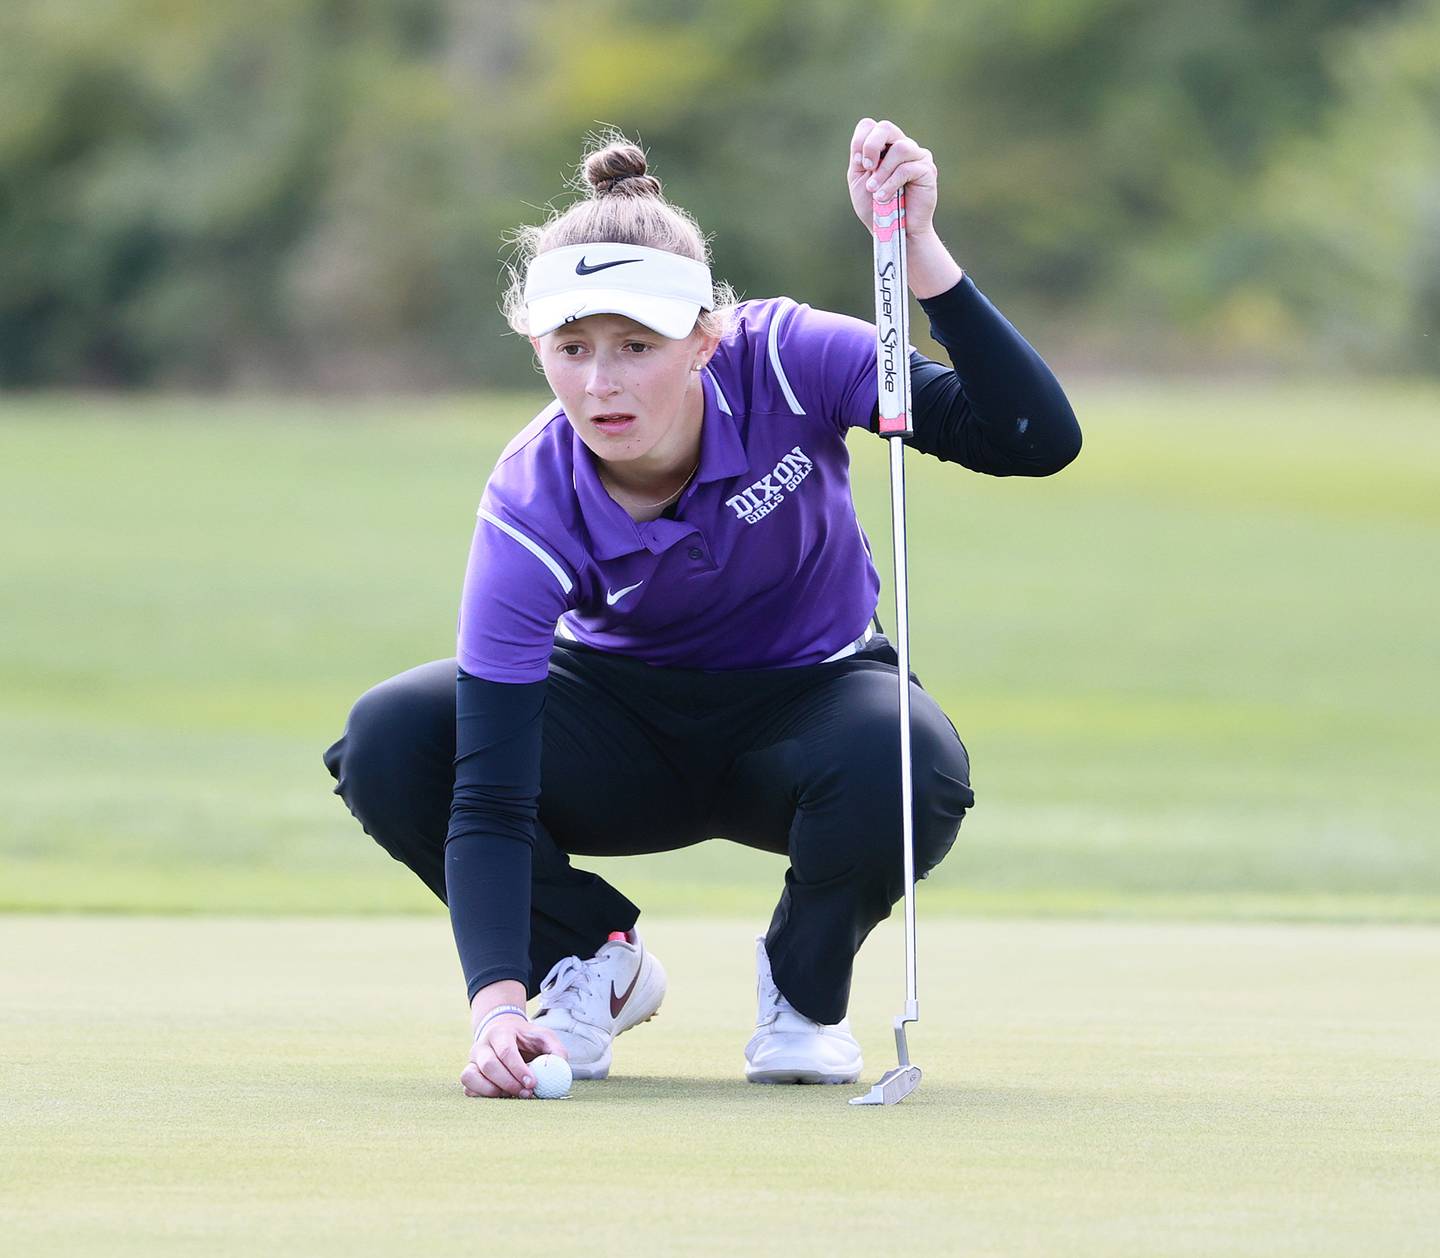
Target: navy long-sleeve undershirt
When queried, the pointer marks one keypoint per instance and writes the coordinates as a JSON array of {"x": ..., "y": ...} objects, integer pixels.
[{"x": 998, "y": 410}]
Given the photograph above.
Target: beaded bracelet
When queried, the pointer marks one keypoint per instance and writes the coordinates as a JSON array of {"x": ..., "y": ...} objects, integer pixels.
[{"x": 495, "y": 1013}]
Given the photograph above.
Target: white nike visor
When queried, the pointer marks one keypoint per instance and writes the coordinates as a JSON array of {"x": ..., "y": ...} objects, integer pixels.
[{"x": 659, "y": 289}]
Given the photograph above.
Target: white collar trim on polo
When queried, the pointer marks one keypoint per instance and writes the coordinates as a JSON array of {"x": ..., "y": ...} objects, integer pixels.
[{"x": 662, "y": 290}]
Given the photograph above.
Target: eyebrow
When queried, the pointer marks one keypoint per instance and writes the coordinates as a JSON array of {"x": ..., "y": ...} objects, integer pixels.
[{"x": 638, "y": 332}]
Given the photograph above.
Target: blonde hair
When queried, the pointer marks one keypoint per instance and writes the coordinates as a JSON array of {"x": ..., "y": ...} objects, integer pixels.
[{"x": 623, "y": 205}]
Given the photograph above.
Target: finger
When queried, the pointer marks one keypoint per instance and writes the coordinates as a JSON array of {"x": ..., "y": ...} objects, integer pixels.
[
  {"x": 512, "y": 1061},
  {"x": 475, "y": 1084},
  {"x": 534, "y": 1040},
  {"x": 899, "y": 154},
  {"x": 496, "y": 1071},
  {"x": 497, "y": 1049},
  {"x": 920, "y": 172},
  {"x": 857, "y": 140},
  {"x": 881, "y": 135}
]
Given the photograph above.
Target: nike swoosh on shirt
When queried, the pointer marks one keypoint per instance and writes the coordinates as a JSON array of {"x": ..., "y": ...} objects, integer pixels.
[
  {"x": 617, "y": 1002},
  {"x": 585, "y": 268},
  {"x": 614, "y": 596}
]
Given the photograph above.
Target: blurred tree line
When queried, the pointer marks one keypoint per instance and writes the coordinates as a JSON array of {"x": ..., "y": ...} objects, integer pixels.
[{"x": 314, "y": 192}]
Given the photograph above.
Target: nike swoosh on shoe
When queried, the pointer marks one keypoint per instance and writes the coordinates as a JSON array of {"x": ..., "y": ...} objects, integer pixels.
[{"x": 617, "y": 1001}]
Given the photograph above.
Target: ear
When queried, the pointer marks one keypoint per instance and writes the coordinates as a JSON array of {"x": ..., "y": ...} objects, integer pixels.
[{"x": 705, "y": 348}]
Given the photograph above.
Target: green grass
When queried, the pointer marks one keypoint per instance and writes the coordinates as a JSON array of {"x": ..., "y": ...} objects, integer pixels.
[
  {"x": 1196, "y": 672},
  {"x": 241, "y": 1086}
]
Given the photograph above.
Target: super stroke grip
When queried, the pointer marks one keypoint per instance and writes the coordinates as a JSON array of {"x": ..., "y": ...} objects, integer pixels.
[{"x": 892, "y": 315}]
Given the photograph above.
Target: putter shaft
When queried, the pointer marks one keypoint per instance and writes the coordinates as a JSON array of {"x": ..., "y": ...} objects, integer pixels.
[{"x": 892, "y": 324}]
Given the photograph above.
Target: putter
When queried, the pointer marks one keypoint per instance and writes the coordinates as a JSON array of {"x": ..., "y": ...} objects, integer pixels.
[{"x": 892, "y": 328}]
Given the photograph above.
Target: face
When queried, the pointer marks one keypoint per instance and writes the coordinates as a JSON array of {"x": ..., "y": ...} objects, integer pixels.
[{"x": 609, "y": 366}]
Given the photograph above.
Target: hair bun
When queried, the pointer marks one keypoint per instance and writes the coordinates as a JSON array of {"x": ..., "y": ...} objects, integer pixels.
[
  {"x": 617, "y": 202},
  {"x": 619, "y": 168}
]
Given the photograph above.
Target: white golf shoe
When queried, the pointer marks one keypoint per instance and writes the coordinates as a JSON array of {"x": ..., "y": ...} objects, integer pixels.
[
  {"x": 788, "y": 1047},
  {"x": 588, "y": 1003}
]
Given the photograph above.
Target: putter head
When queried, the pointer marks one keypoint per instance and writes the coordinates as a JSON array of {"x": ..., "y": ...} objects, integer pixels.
[{"x": 894, "y": 1086}]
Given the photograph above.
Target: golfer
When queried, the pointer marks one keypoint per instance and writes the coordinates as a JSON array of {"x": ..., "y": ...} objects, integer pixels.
[{"x": 667, "y": 632}]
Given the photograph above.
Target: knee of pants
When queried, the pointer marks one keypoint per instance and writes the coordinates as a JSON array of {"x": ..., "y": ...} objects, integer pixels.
[
  {"x": 379, "y": 762},
  {"x": 356, "y": 759},
  {"x": 864, "y": 796},
  {"x": 942, "y": 796}
]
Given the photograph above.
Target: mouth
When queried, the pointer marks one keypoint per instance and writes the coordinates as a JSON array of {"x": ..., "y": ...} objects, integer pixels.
[{"x": 613, "y": 423}]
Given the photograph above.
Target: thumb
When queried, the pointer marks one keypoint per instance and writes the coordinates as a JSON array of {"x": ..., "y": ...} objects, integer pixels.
[{"x": 534, "y": 1040}]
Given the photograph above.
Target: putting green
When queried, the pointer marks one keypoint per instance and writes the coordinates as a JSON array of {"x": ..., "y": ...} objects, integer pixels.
[{"x": 243, "y": 1086}]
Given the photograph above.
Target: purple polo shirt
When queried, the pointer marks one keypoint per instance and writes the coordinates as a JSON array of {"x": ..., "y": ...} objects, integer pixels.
[{"x": 765, "y": 564}]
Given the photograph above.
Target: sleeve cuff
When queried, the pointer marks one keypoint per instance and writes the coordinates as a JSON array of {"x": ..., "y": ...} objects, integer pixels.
[
  {"x": 952, "y": 307},
  {"x": 496, "y": 974}
]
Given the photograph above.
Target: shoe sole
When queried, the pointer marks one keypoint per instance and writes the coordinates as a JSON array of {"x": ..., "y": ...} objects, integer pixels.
[
  {"x": 783, "y": 1074},
  {"x": 600, "y": 1067},
  {"x": 801, "y": 1070}
]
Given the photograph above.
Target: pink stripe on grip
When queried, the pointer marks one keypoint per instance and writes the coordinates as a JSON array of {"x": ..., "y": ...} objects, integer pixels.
[{"x": 887, "y": 216}]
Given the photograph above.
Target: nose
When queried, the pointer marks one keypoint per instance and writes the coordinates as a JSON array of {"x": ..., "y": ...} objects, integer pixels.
[{"x": 601, "y": 382}]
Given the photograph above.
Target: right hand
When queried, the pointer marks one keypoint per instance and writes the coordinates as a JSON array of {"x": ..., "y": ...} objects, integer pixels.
[
  {"x": 881, "y": 152},
  {"x": 497, "y": 1059}
]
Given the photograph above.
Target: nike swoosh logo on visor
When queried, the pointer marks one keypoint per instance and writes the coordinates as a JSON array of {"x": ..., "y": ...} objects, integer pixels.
[
  {"x": 614, "y": 596},
  {"x": 617, "y": 1002},
  {"x": 584, "y": 268}
]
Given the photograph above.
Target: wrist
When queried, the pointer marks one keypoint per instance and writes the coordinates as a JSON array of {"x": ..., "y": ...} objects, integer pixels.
[
  {"x": 500, "y": 1011},
  {"x": 932, "y": 270},
  {"x": 493, "y": 995}
]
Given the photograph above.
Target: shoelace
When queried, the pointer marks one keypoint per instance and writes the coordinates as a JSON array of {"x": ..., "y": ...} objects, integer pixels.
[
  {"x": 773, "y": 1004},
  {"x": 567, "y": 985},
  {"x": 771, "y": 1001}
]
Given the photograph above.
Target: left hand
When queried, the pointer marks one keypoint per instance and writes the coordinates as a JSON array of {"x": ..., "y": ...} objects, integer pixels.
[
  {"x": 895, "y": 161},
  {"x": 498, "y": 1057}
]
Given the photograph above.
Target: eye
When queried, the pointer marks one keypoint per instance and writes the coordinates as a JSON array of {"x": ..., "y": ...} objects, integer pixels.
[
  {"x": 565, "y": 349},
  {"x": 637, "y": 345}
]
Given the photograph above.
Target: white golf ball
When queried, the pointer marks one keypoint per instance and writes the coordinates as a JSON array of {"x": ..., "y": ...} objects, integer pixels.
[{"x": 552, "y": 1077}]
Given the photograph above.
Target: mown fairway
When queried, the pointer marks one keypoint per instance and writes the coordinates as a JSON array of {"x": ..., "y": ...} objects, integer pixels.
[
  {"x": 1196, "y": 672},
  {"x": 266, "y": 1086}
]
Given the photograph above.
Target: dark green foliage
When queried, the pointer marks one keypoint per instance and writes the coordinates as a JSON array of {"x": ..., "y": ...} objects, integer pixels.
[{"x": 285, "y": 192}]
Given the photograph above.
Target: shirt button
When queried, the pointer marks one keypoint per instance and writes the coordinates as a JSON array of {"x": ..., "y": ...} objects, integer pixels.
[{"x": 696, "y": 553}]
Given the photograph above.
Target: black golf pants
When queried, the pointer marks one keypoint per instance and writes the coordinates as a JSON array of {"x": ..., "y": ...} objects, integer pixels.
[{"x": 802, "y": 762}]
